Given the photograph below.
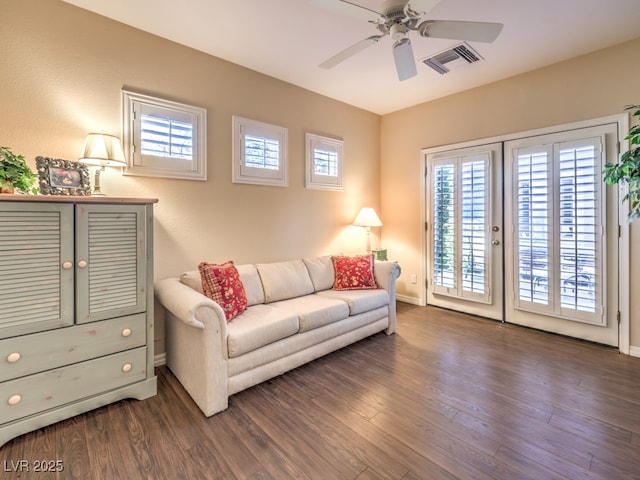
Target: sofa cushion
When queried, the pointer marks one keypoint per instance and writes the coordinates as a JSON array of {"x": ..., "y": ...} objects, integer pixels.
[
  {"x": 284, "y": 280},
  {"x": 192, "y": 280},
  {"x": 314, "y": 311},
  {"x": 258, "y": 326},
  {"x": 359, "y": 301},
  {"x": 248, "y": 275},
  {"x": 222, "y": 284},
  {"x": 354, "y": 272},
  {"x": 252, "y": 284},
  {"x": 321, "y": 272}
]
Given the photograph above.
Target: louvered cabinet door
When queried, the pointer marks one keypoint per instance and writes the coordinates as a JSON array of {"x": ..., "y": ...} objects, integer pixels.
[
  {"x": 36, "y": 267},
  {"x": 110, "y": 261}
]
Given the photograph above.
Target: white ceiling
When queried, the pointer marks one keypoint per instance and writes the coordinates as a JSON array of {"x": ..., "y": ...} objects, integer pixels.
[{"x": 288, "y": 39}]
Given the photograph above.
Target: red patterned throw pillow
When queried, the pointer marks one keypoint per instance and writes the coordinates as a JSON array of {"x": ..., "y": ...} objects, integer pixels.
[
  {"x": 354, "y": 273},
  {"x": 222, "y": 284}
]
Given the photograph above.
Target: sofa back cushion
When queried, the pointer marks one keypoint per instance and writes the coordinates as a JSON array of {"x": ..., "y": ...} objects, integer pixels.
[
  {"x": 283, "y": 280},
  {"x": 252, "y": 284},
  {"x": 248, "y": 275},
  {"x": 321, "y": 272}
]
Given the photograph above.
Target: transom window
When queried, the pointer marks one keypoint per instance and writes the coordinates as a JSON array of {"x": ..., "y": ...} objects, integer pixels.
[
  {"x": 259, "y": 153},
  {"x": 323, "y": 162},
  {"x": 164, "y": 138}
]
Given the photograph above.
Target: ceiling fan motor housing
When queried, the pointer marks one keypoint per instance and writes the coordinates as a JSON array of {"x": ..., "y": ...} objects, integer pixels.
[{"x": 398, "y": 31}]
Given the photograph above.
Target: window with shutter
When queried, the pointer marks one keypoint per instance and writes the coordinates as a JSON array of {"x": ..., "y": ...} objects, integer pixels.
[
  {"x": 259, "y": 153},
  {"x": 163, "y": 138},
  {"x": 323, "y": 162}
]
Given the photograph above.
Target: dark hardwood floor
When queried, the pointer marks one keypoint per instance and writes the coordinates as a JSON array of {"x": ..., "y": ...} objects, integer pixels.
[{"x": 449, "y": 396}]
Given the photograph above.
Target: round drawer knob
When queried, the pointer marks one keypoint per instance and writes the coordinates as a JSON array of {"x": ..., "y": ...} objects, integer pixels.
[
  {"x": 14, "y": 399},
  {"x": 126, "y": 332},
  {"x": 127, "y": 367},
  {"x": 13, "y": 357},
  {"x": 82, "y": 264},
  {"x": 67, "y": 265}
]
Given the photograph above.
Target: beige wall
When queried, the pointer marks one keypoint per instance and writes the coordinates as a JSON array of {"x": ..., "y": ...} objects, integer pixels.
[
  {"x": 591, "y": 86},
  {"x": 61, "y": 74},
  {"x": 62, "y": 70}
]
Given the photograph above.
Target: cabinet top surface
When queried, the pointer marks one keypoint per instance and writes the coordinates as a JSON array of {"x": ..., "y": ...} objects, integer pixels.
[{"x": 73, "y": 199}]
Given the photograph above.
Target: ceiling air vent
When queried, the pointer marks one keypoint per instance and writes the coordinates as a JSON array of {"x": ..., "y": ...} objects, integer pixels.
[{"x": 452, "y": 58}]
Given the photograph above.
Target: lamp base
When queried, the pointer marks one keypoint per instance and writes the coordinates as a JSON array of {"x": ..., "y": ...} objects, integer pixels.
[{"x": 96, "y": 183}]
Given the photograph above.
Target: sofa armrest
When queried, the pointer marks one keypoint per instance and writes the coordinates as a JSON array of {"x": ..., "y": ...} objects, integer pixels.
[
  {"x": 386, "y": 274},
  {"x": 189, "y": 306},
  {"x": 196, "y": 343}
]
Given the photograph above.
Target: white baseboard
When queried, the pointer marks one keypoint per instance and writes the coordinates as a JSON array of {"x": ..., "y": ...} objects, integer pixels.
[
  {"x": 160, "y": 359},
  {"x": 634, "y": 351},
  {"x": 411, "y": 300}
]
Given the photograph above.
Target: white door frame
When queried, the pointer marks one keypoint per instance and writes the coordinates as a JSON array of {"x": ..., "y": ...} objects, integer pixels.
[{"x": 622, "y": 121}]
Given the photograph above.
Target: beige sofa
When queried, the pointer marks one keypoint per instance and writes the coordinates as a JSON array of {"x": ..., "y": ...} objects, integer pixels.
[{"x": 293, "y": 317}]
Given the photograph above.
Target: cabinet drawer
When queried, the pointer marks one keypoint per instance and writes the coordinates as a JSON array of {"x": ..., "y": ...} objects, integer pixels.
[
  {"x": 28, "y": 354},
  {"x": 53, "y": 388}
]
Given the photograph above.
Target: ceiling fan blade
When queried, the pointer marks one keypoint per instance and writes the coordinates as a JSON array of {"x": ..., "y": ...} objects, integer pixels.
[
  {"x": 422, "y": 6},
  {"x": 348, "y": 9},
  {"x": 405, "y": 62},
  {"x": 350, "y": 51},
  {"x": 459, "y": 30}
]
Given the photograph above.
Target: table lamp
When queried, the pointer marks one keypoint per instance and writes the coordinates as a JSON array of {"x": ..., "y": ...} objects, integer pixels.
[
  {"x": 367, "y": 218},
  {"x": 102, "y": 150}
]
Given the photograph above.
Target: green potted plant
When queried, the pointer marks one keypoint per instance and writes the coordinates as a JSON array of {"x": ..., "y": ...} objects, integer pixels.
[
  {"x": 15, "y": 174},
  {"x": 627, "y": 170}
]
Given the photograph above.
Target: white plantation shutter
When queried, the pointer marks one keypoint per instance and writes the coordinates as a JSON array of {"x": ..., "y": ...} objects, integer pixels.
[
  {"x": 460, "y": 221},
  {"x": 560, "y": 234},
  {"x": 261, "y": 152},
  {"x": 474, "y": 226},
  {"x": 444, "y": 226},
  {"x": 534, "y": 210},
  {"x": 325, "y": 162},
  {"x": 166, "y": 137},
  {"x": 581, "y": 229}
]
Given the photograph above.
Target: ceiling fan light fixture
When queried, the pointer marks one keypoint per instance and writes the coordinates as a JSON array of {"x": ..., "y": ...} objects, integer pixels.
[{"x": 403, "y": 57}]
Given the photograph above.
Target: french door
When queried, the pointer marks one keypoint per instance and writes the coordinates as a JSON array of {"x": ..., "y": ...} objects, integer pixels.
[
  {"x": 464, "y": 230},
  {"x": 561, "y": 270},
  {"x": 554, "y": 265}
]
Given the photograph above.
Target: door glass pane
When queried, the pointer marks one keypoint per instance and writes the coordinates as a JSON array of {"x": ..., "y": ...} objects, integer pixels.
[
  {"x": 444, "y": 225},
  {"x": 474, "y": 226},
  {"x": 533, "y": 226}
]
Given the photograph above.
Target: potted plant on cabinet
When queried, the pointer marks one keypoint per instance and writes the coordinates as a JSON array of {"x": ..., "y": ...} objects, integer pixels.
[
  {"x": 15, "y": 174},
  {"x": 627, "y": 170}
]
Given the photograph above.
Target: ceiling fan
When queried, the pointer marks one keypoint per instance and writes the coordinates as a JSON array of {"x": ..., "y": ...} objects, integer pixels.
[{"x": 397, "y": 18}]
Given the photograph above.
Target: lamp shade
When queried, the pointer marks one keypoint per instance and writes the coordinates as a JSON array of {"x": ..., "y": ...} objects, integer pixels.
[
  {"x": 367, "y": 218},
  {"x": 103, "y": 149}
]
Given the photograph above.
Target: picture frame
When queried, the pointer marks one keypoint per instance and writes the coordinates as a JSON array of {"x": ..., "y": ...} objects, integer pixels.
[{"x": 62, "y": 177}]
